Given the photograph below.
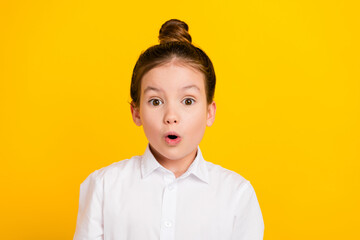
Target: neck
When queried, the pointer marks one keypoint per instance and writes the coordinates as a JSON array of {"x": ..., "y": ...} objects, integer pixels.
[{"x": 179, "y": 166}]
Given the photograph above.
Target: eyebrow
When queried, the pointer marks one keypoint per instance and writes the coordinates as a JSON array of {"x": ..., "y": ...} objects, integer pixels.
[{"x": 149, "y": 88}]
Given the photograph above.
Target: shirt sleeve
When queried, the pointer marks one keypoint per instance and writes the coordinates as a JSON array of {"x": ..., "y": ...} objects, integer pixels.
[
  {"x": 89, "y": 224},
  {"x": 249, "y": 224}
]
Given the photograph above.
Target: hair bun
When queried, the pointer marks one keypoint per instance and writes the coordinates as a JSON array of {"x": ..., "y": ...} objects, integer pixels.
[{"x": 174, "y": 30}]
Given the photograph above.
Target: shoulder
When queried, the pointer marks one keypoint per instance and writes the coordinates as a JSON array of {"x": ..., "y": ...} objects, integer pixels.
[
  {"x": 122, "y": 167},
  {"x": 232, "y": 185},
  {"x": 227, "y": 177}
]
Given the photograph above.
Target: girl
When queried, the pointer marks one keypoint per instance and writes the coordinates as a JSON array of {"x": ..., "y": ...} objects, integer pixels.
[{"x": 170, "y": 192}]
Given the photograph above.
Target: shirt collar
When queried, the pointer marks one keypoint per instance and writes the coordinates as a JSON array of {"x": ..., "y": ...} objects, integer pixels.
[{"x": 197, "y": 168}]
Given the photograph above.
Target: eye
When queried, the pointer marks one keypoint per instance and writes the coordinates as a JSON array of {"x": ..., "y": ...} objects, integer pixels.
[
  {"x": 155, "y": 102},
  {"x": 188, "y": 101}
]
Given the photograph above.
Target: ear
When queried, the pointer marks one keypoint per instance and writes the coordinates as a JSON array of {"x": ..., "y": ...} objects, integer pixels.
[
  {"x": 211, "y": 114},
  {"x": 135, "y": 114}
]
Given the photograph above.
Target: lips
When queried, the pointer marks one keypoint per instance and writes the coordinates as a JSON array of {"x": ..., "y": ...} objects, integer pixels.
[{"x": 172, "y": 138}]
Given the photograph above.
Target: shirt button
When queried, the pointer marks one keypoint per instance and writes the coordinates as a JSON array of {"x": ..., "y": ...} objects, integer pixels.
[
  {"x": 171, "y": 188},
  {"x": 167, "y": 224}
]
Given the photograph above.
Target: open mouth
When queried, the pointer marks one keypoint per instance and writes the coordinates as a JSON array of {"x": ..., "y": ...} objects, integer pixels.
[{"x": 172, "y": 138}]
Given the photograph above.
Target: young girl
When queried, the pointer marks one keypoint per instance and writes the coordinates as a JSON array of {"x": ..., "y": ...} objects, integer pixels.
[{"x": 170, "y": 192}]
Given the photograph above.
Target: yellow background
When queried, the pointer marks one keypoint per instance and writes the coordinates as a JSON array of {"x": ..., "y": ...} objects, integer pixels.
[{"x": 288, "y": 105}]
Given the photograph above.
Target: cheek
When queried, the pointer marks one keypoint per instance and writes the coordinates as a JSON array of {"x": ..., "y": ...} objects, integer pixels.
[
  {"x": 198, "y": 121},
  {"x": 150, "y": 121}
]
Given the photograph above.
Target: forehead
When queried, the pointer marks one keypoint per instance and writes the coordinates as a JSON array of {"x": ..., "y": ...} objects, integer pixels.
[{"x": 173, "y": 76}]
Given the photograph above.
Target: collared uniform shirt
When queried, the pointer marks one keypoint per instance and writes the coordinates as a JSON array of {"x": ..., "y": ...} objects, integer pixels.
[{"x": 139, "y": 199}]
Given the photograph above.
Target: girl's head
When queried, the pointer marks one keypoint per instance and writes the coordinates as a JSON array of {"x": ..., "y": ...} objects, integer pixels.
[
  {"x": 175, "y": 45},
  {"x": 172, "y": 92}
]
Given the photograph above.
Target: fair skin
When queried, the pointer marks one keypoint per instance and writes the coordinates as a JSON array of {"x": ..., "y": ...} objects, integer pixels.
[{"x": 173, "y": 101}]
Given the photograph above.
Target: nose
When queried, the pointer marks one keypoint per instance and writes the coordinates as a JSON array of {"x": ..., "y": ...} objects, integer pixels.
[
  {"x": 171, "y": 120},
  {"x": 170, "y": 116}
]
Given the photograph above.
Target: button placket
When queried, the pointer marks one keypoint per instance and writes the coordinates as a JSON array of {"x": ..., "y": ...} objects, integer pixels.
[{"x": 167, "y": 231}]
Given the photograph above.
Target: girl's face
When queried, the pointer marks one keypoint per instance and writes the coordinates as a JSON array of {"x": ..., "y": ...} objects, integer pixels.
[{"x": 173, "y": 102}]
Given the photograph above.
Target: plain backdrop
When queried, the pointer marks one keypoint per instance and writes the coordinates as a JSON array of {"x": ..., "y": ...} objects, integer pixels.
[{"x": 287, "y": 94}]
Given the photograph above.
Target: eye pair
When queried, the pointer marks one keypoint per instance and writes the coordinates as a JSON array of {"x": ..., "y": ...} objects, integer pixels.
[{"x": 186, "y": 101}]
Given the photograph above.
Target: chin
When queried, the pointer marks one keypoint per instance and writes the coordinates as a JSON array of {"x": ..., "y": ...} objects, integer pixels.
[{"x": 171, "y": 153}]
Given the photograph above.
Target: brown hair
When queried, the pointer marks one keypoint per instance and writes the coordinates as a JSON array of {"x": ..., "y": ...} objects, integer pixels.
[{"x": 175, "y": 43}]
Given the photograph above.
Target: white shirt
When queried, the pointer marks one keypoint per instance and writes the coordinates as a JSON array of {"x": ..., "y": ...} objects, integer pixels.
[{"x": 139, "y": 199}]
